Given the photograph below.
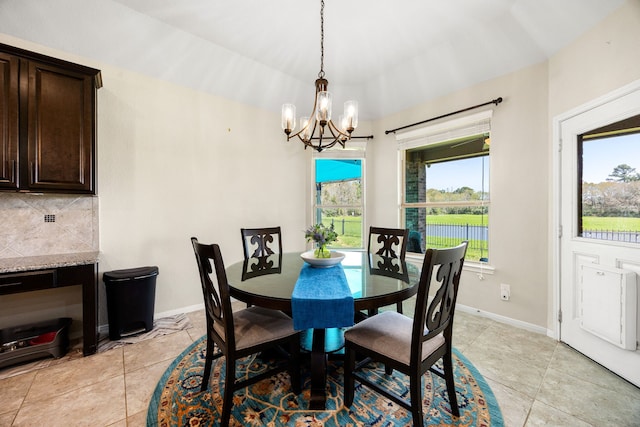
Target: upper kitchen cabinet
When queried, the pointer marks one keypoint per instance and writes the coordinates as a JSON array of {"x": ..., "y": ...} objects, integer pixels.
[{"x": 47, "y": 123}]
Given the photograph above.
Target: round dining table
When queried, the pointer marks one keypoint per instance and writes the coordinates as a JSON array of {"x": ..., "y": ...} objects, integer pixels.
[{"x": 374, "y": 282}]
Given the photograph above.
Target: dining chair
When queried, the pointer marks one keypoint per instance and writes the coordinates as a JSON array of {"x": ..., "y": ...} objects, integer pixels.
[
  {"x": 242, "y": 333},
  {"x": 411, "y": 346},
  {"x": 261, "y": 242},
  {"x": 389, "y": 243}
]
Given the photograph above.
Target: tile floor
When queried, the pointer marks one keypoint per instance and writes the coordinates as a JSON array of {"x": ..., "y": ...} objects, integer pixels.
[{"x": 537, "y": 381}]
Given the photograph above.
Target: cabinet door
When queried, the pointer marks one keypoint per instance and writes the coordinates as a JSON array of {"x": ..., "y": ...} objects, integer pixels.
[
  {"x": 9, "y": 71},
  {"x": 61, "y": 139}
]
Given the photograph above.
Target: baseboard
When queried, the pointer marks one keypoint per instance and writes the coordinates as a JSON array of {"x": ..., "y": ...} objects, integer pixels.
[{"x": 503, "y": 319}]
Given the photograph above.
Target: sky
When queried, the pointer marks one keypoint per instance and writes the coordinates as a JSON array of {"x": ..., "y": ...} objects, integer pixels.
[
  {"x": 601, "y": 156},
  {"x": 462, "y": 173}
]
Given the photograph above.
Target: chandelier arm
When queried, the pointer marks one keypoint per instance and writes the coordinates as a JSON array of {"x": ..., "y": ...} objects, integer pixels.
[
  {"x": 312, "y": 118},
  {"x": 334, "y": 129}
]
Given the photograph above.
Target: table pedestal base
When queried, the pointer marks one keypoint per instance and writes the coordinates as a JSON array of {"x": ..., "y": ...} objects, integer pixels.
[{"x": 321, "y": 343}]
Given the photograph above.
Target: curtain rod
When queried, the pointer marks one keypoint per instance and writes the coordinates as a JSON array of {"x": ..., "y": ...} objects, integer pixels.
[
  {"x": 495, "y": 101},
  {"x": 353, "y": 137}
]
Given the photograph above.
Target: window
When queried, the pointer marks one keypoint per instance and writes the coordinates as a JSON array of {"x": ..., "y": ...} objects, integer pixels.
[
  {"x": 338, "y": 198},
  {"x": 609, "y": 177},
  {"x": 445, "y": 185}
]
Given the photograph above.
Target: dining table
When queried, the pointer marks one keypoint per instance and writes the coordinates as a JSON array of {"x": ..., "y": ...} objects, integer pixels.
[{"x": 373, "y": 282}]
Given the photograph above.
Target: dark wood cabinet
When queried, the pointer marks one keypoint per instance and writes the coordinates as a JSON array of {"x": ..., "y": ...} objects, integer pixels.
[
  {"x": 9, "y": 107},
  {"x": 47, "y": 123},
  {"x": 84, "y": 275}
]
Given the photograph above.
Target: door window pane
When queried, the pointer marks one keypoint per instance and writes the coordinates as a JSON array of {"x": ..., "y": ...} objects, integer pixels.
[{"x": 609, "y": 168}]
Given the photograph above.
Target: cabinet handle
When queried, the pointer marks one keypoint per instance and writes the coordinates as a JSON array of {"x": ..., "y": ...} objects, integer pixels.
[
  {"x": 32, "y": 172},
  {"x": 13, "y": 171}
]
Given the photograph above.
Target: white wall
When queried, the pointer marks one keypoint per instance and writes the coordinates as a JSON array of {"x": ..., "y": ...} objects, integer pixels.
[
  {"x": 176, "y": 163},
  {"x": 519, "y": 174}
]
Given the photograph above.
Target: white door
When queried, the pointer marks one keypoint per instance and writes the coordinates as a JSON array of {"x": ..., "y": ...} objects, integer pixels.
[{"x": 580, "y": 308}]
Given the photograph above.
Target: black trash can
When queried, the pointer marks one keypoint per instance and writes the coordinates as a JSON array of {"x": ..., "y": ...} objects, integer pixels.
[{"x": 131, "y": 296}]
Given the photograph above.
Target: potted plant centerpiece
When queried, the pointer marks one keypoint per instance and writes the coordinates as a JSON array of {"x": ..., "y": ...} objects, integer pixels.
[{"x": 322, "y": 236}]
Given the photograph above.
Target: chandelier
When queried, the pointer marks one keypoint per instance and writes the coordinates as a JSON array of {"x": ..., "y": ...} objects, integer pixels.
[{"x": 328, "y": 133}]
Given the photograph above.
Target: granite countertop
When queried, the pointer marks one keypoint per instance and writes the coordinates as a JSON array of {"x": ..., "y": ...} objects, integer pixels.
[{"x": 10, "y": 265}]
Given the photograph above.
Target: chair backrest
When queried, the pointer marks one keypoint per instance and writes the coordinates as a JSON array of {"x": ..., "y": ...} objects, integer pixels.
[
  {"x": 261, "y": 242},
  {"x": 388, "y": 242},
  {"x": 217, "y": 301},
  {"x": 443, "y": 267}
]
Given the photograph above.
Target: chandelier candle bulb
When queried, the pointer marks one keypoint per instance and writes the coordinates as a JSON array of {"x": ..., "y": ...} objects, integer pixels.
[
  {"x": 351, "y": 112},
  {"x": 288, "y": 118},
  {"x": 323, "y": 109}
]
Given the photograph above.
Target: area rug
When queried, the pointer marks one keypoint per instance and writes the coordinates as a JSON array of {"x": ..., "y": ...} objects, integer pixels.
[{"x": 177, "y": 400}]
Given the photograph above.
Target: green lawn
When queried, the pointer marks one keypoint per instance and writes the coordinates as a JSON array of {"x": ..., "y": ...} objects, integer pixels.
[
  {"x": 610, "y": 223},
  {"x": 349, "y": 230}
]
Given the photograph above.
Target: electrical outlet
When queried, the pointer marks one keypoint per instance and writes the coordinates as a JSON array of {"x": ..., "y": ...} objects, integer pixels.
[{"x": 505, "y": 292}]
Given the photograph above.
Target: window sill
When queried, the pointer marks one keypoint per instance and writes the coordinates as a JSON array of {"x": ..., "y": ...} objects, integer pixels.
[{"x": 472, "y": 266}]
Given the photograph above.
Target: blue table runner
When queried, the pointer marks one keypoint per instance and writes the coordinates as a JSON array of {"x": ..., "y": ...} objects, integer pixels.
[{"x": 321, "y": 298}]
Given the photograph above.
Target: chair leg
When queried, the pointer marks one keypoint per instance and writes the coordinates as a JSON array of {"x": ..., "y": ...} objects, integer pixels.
[
  {"x": 294, "y": 370},
  {"x": 349, "y": 365},
  {"x": 227, "y": 400},
  {"x": 399, "y": 307},
  {"x": 207, "y": 365},
  {"x": 415, "y": 389},
  {"x": 451, "y": 384}
]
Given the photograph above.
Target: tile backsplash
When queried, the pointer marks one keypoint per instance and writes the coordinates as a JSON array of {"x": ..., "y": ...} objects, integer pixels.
[{"x": 36, "y": 224}]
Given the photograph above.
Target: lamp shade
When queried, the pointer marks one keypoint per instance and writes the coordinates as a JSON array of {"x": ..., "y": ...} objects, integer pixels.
[{"x": 288, "y": 117}]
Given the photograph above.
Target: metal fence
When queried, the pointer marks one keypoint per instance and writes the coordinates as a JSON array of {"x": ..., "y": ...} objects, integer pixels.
[
  {"x": 613, "y": 235},
  {"x": 446, "y": 235}
]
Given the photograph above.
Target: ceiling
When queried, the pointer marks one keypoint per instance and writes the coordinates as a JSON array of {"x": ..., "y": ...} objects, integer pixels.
[{"x": 387, "y": 55}]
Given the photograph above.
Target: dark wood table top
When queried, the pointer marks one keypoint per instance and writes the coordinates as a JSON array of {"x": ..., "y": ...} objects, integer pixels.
[{"x": 374, "y": 283}]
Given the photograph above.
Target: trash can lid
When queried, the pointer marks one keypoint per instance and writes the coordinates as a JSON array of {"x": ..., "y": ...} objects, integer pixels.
[{"x": 130, "y": 273}]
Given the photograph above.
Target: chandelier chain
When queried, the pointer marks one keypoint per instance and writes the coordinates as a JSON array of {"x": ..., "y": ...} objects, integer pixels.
[{"x": 321, "y": 73}]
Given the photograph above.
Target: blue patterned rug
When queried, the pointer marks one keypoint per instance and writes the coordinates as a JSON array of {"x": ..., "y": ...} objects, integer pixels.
[{"x": 177, "y": 400}]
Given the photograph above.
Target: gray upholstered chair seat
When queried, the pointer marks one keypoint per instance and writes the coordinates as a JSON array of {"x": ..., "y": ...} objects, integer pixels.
[
  {"x": 257, "y": 325},
  {"x": 389, "y": 333}
]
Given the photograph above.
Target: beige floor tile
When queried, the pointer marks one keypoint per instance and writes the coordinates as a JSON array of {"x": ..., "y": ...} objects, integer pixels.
[
  {"x": 198, "y": 325},
  {"x": 99, "y": 404},
  {"x": 13, "y": 390},
  {"x": 514, "y": 405},
  {"x": 150, "y": 352},
  {"x": 6, "y": 420},
  {"x": 120, "y": 423},
  {"x": 498, "y": 360},
  {"x": 140, "y": 385},
  {"x": 467, "y": 327},
  {"x": 62, "y": 378},
  {"x": 546, "y": 416},
  {"x": 567, "y": 360},
  {"x": 589, "y": 402},
  {"x": 138, "y": 420},
  {"x": 39, "y": 364},
  {"x": 198, "y": 319}
]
